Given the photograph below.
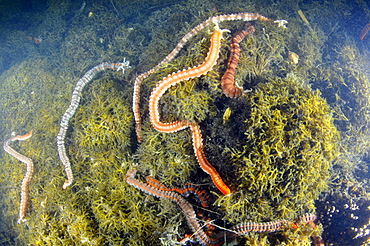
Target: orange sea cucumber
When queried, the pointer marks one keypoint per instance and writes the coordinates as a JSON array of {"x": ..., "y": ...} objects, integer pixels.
[
  {"x": 175, "y": 126},
  {"x": 189, "y": 188},
  {"x": 227, "y": 80},
  {"x": 173, "y": 53},
  {"x": 175, "y": 78},
  {"x": 364, "y": 31},
  {"x": 27, "y": 176},
  {"x": 203, "y": 162}
]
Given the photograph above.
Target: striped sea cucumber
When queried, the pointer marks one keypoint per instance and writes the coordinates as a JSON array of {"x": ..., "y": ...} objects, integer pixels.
[
  {"x": 203, "y": 162},
  {"x": 175, "y": 78},
  {"x": 76, "y": 96},
  {"x": 189, "y": 188},
  {"x": 307, "y": 218},
  {"x": 227, "y": 80},
  {"x": 27, "y": 176},
  {"x": 201, "y": 194},
  {"x": 175, "y": 126},
  {"x": 175, "y": 51},
  {"x": 364, "y": 31},
  {"x": 155, "y": 188},
  {"x": 271, "y": 226},
  {"x": 186, "y": 207}
]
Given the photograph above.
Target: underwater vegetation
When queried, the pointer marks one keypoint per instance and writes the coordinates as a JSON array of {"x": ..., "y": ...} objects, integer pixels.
[
  {"x": 348, "y": 199},
  {"x": 289, "y": 145},
  {"x": 283, "y": 158},
  {"x": 297, "y": 143}
]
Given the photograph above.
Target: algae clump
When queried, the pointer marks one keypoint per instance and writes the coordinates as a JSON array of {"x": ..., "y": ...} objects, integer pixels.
[{"x": 289, "y": 145}]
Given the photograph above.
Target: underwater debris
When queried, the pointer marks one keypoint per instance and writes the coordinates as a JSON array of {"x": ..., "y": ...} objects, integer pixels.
[
  {"x": 293, "y": 57},
  {"x": 281, "y": 23},
  {"x": 303, "y": 17},
  {"x": 226, "y": 115}
]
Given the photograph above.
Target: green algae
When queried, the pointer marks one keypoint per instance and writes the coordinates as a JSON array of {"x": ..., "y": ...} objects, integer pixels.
[
  {"x": 283, "y": 165},
  {"x": 103, "y": 120}
]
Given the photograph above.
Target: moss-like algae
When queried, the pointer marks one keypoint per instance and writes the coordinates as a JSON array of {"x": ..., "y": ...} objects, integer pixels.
[{"x": 288, "y": 147}]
